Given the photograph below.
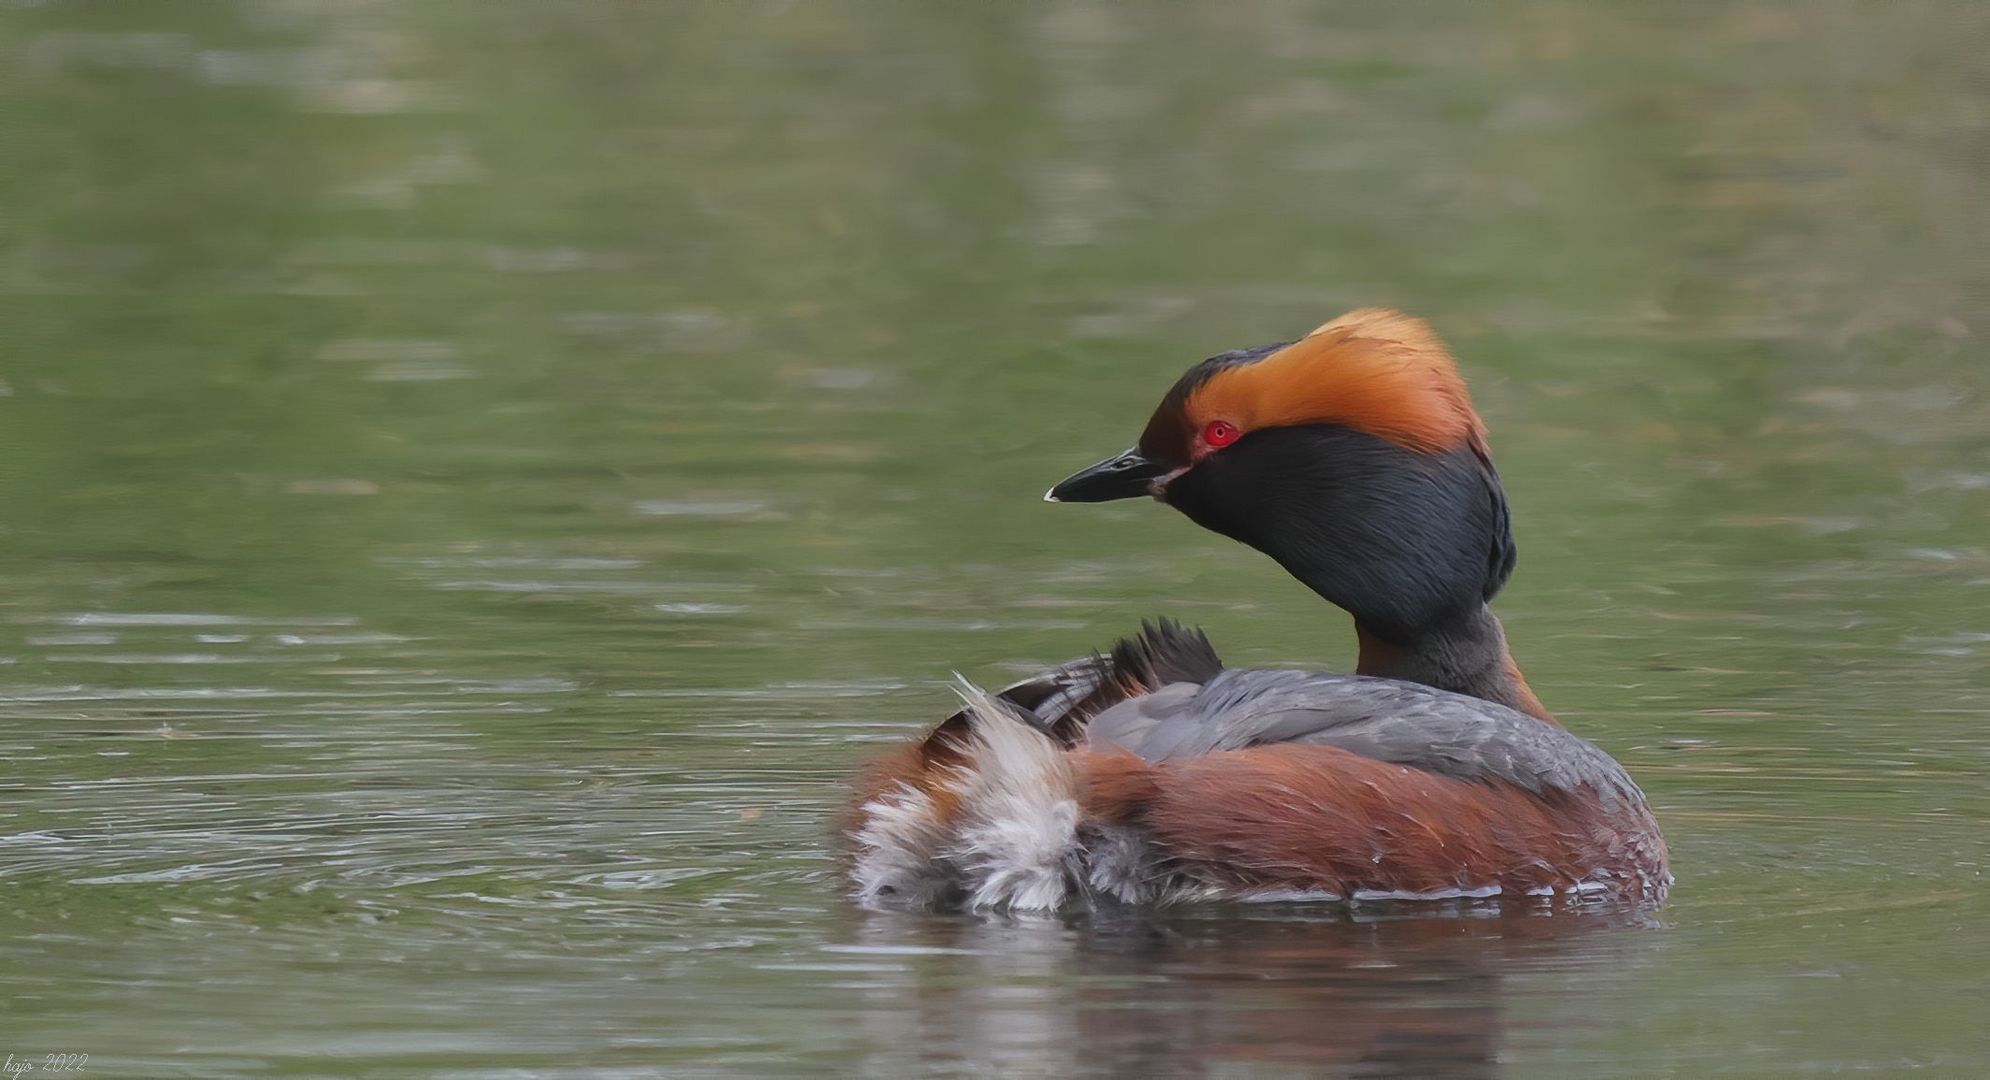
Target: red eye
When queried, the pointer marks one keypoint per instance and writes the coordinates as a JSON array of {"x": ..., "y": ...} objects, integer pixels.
[{"x": 1220, "y": 433}]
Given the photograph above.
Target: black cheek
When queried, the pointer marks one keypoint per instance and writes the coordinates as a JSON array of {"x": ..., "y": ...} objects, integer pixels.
[
  {"x": 1399, "y": 539},
  {"x": 1213, "y": 498}
]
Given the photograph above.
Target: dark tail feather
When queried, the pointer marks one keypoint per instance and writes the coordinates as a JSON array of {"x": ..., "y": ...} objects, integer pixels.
[
  {"x": 1166, "y": 652},
  {"x": 1061, "y": 701}
]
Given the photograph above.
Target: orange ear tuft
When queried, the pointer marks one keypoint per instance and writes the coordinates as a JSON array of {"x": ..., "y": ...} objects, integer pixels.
[{"x": 1374, "y": 370}]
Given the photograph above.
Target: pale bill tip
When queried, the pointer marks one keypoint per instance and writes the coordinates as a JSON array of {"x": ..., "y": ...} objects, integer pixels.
[{"x": 1050, "y": 496}]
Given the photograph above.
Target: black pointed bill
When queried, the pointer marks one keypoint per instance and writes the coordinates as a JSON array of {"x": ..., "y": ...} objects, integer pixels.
[{"x": 1123, "y": 476}]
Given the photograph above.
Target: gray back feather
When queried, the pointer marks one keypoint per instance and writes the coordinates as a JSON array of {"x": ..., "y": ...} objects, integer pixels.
[{"x": 1405, "y": 723}]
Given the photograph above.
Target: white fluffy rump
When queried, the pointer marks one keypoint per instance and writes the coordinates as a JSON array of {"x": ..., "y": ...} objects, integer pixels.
[{"x": 1013, "y": 841}]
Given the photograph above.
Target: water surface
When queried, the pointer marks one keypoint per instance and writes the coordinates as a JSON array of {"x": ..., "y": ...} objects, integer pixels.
[{"x": 476, "y": 478}]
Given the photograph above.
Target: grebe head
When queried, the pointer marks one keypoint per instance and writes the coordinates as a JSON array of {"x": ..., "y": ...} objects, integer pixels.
[{"x": 1351, "y": 456}]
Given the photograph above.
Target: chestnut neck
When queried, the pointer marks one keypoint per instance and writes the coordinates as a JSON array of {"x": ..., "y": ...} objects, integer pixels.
[{"x": 1466, "y": 654}]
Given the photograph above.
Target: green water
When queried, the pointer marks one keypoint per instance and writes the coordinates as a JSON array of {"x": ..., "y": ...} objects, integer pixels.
[{"x": 477, "y": 476}]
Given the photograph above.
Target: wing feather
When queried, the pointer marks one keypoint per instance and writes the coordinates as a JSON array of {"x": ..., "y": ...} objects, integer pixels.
[{"x": 1384, "y": 719}]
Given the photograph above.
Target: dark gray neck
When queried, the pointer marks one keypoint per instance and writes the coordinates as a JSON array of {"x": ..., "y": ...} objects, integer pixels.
[{"x": 1465, "y": 655}]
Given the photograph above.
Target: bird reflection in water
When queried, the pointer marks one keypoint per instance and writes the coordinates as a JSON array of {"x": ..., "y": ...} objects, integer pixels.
[{"x": 1384, "y": 991}]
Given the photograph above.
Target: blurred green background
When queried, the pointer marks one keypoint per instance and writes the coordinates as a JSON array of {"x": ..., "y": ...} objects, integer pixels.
[{"x": 476, "y": 477}]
